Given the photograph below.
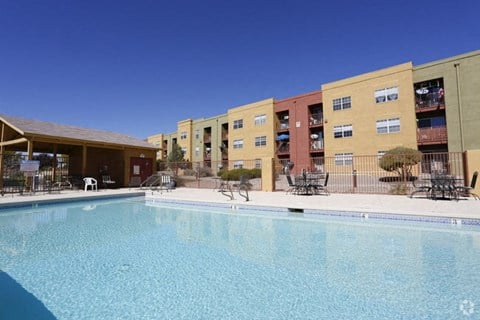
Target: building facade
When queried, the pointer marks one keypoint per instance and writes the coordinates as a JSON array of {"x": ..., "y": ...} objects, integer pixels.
[
  {"x": 210, "y": 141},
  {"x": 251, "y": 133},
  {"x": 431, "y": 107},
  {"x": 299, "y": 131},
  {"x": 447, "y": 103},
  {"x": 370, "y": 113}
]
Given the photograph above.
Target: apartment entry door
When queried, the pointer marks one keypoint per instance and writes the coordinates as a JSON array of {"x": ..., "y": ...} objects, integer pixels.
[{"x": 140, "y": 170}]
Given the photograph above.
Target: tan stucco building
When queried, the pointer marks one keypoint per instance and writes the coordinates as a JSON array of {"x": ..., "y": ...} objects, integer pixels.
[
  {"x": 251, "y": 133},
  {"x": 369, "y": 113}
]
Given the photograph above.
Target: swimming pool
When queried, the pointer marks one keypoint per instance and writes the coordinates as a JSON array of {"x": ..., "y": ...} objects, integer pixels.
[{"x": 136, "y": 259}]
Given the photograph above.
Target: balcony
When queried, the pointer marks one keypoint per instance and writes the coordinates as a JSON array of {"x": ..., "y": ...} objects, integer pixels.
[
  {"x": 316, "y": 146},
  {"x": 207, "y": 138},
  {"x": 428, "y": 99},
  {"x": 316, "y": 119},
  {"x": 436, "y": 135},
  {"x": 283, "y": 125},
  {"x": 283, "y": 148},
  {"x": 224, "y": 135}
]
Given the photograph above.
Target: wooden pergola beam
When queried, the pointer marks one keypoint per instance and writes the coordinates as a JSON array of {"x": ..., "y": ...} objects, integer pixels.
[{"x": 10, "y": 142}]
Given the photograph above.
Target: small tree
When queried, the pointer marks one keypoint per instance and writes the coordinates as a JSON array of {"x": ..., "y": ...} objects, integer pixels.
[
  {"x": 400, "y": 160},
  {"x": 175, "y": 159}
]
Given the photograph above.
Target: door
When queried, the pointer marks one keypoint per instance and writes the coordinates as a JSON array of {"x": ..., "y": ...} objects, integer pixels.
[{"x": 140, "y": 170}]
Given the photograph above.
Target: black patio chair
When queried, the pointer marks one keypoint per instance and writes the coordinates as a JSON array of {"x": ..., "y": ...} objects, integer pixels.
[
  {"x": 292, "y": 187},
  {"x": 466, "y": 191},
  {"x": 322, "y": 188},
  {"x": 421, "y": 186}
]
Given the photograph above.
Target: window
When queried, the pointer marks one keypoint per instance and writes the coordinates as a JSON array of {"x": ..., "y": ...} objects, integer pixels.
[
  {"x": 343, "y": 131},
  {"x": 258, "y": 163},
  {"x": 343, "y": 159},
  {"x": 184, "y": 150},
  {"x": 386, "y": 94},
  {"x": 342, "y": 103},
  {"x": 197, "y": 151},
  {"x": 238, "y": 164},
  {"x": 260, "y": 120},
  {"x": 238, "y": 144},
  {"x": 260, "y": 141},
  {"x": 237, "y": 124},
  {"x": 183, "y": 135},
  {"x": 380, "y": 154},
  {"x": 197, "y": 134},
  {"x": 388, "y": 125}
]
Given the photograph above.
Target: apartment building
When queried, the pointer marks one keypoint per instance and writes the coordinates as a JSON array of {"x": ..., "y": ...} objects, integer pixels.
[
  {"x": 432, "y": 107},
  {"x": 447, "y": 99},
  {"x": 369, "y": 114},
  {"x": 299, "y": 130},
  {"x": 210, "y": 140},
  {"x": 157, "y": 141},
  {"x": 251, "y": 133}
]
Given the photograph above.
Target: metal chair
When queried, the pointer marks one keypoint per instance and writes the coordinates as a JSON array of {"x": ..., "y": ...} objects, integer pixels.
[
  {"x": 466, "y": 191},
  {"x": 421, "y": 186}
]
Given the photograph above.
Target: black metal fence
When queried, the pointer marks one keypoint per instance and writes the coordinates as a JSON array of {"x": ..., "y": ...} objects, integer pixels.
[
  {"x": 363, "y": 174},
  {"x": 52, "y": 174},
  {"x": 208, "y": 174},
  {"x": 355, "y": 174}
]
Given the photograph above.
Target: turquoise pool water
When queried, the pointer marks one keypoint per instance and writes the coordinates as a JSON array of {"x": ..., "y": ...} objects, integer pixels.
[{"x": 134, "y": 259}]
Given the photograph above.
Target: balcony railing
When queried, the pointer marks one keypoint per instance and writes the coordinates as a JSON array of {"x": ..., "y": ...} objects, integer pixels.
[
  {"x": 316, "y": 119},
  {"x": 224, "y": 135},
  {"x": 316, "y": 146},
  {"x": 437, "y": 135},
  {"x": 283, "y": 148},
  {"x": 283, "y": 125}
]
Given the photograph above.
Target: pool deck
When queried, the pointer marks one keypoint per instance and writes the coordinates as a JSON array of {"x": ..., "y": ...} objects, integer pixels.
[{"x": 363, "y": 203}]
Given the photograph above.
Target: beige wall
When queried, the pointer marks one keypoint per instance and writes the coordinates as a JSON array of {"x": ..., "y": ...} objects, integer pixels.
[
  {"x": 249, "y": 131},
  {"x": 473, "y": 161},
  {"x": 157, "y": 141},
  {"x": 365, "y": 112},
  {"x": 185, "y": 142}
]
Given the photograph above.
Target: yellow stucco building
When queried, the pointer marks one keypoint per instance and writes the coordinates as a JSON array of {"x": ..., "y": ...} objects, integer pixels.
[
  {"x": 251, "y": 133},
  {"x": 370, "y": 113}
]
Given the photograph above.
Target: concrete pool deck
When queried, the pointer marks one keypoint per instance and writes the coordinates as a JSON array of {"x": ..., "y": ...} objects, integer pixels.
[{"x": 364, "y": 203}]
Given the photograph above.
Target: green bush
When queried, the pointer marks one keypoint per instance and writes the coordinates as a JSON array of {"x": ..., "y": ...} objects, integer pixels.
[{"x": 235, "y": 174}]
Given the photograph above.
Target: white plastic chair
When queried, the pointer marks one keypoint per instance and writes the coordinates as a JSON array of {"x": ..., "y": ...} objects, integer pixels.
[{"x": 90, "y": 182}]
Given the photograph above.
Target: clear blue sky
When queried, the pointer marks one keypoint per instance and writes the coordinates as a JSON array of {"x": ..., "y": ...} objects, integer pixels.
[{"x": 139, "y": 66}]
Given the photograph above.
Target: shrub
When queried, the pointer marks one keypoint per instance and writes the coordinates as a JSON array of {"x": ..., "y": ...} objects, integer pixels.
[
  {"x": 400, "y": 160},
  {"x": 235, "y": 174}
]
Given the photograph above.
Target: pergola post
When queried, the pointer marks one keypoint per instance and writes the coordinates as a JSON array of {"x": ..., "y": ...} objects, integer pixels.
[
  {"x": 54, "y": 164},
  {"x": 1, "y": 156},
  {"x": 84, "y": 160},
  {"x": 30, "y": 149}
]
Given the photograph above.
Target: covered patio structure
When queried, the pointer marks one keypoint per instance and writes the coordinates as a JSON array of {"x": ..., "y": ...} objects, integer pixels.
[{"x": 90, "y": 152}]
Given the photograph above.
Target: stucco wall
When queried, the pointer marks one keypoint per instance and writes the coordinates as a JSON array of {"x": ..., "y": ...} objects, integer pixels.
[{"x": 365, "y": 112}]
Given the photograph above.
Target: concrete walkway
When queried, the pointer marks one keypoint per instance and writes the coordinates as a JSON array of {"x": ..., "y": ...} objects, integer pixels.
[{"x": 464, "y": 208}]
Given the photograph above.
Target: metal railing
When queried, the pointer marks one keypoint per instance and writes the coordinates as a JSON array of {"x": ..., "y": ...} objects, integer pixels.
[
  {"x": 363, "y": 174},
  {"x": 436, "y": 135},
  {"x": 53, "y": 173},
  {"x": 207, "y": 174}
]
